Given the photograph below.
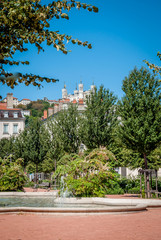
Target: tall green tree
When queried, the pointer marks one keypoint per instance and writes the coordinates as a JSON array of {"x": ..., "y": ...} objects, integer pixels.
[
  {"x": 32, "y": 143},
  {"x": 64, "y": 129},
  {"x": 99, "y": 119},
  {"x": 140, "y": 112},
  {"x": 24, "y": 22}
]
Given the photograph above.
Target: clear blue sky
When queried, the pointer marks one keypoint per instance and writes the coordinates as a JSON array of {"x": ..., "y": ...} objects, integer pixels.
[{"x": 123, "y": 34}]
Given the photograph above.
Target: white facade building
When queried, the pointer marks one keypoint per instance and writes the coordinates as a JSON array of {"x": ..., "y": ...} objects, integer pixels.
[
  {"x": 12, "y": 120},
  {"x": 79, "y": 94},
  {"x": 25, "y": 101}
]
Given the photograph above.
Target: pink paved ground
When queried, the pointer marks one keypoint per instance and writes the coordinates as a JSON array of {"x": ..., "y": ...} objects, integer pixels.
[{"x": 138, "y": 226}]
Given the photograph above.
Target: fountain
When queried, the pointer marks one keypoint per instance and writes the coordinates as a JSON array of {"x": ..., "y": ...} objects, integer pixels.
[{"x": 50, "y": 202}]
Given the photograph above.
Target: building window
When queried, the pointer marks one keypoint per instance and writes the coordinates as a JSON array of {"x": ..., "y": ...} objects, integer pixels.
[
  {"x": 5, "y": 129},
  {"x": 15, "y": 114},
  {"x": 6, "y": 114},
  {"x": 15, "y": 128}
]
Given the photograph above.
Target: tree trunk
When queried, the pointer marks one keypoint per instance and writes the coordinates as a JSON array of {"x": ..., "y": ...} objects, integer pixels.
[
  {"x": 147, "y": 177},
  {"x": 55, "y": 177}
]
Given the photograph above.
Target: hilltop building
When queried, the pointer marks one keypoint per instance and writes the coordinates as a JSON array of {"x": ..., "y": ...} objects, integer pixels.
[
  {"x": 78, "y": 93},
  {"x": 24, "y": 101},
  {"x": 78, "y": 97}
]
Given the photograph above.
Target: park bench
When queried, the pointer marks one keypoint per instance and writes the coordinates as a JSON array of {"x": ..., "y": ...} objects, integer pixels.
[{"x": 44, "y": 185}]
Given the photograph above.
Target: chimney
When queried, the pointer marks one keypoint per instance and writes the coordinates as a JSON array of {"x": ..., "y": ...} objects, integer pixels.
[
  {"x": 45, "y": 114},
  {"x": 9, "y": 100}
]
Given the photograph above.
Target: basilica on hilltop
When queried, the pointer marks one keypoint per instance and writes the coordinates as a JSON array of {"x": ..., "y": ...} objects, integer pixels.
[{"x": 78, "y": 97}]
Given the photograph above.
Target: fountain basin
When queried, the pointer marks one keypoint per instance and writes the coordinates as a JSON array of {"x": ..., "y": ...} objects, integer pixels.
[{"x": 73, "y": 205}]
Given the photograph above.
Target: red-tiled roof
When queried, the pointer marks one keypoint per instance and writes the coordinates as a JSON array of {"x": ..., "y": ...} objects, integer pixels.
[
  {"x": 64, "y": 100},
  {"x": 26, "y": 99},
  {"x": 81, "y": 101},
  {"x": 3, "y": 106}
]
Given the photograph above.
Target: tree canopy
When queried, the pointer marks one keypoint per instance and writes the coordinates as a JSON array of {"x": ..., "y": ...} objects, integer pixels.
[
  {"x": 154, "y": 67},
  {"x": 64, "y": 130},
  {"x": 99, "y": 119},
  {"x": 140, "y": 112},
  {"x": 24, "y": 22}
]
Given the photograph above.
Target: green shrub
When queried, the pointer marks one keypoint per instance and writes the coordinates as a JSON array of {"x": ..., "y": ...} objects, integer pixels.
[
  {"x": 127, "y": 184},
  {"x": 29, "y": 184},
  {"x": 115, "y": 191},
  {"x": 135, "y": 190},
  {"x": 12, "y": 176},
  {"x": 154, "y": 185}
]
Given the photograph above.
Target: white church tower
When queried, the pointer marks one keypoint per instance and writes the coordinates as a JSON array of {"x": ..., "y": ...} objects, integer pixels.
[
  {"x": 64, "y": 92},
  {"x": 93, "y": 87},
  {"x": 81, "y": 90}
]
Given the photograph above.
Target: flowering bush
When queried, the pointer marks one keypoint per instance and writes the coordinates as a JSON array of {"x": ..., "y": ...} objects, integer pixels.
[{"x": 89, "y": 176}]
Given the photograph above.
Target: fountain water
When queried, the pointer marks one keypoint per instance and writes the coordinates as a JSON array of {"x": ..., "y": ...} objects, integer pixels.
[{"x": 64, "y": 193}]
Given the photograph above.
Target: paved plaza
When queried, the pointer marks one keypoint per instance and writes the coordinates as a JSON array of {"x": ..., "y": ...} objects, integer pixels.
[{"x": 139, "y": 226}]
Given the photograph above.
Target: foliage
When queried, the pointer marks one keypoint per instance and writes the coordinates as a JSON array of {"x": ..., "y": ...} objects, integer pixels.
[
  {"x": 6, "y": 146},
  {"x": 37, "y": 107},
  {"x": 12, "y": 176},
  {"x": 48, "y": 165},
  {"x": 30, "y": 167},
  {"x": 21, "y": 106},
  {"x": 88, "y": 176},
  {"x": 140, "y": 112},
  {"x": 103, "y": 155},
  {"x": 154, "y": 184},
  {"x": 115, "y": 190},
  {"x": 29, "y": 184},
  {"x": 156, "y": 69},
  {"x": 28, "y": 22},
  {"x": 67, "y": 158},
  {"x": 130, "y": 185},
  {"x": 99, "y": 119},
  {"x": 64, "y": 130},
  {"x": 32, "y": 143}
]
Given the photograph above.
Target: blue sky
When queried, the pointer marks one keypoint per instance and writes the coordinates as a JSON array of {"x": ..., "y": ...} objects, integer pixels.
[{"x": 123, "y": 34}]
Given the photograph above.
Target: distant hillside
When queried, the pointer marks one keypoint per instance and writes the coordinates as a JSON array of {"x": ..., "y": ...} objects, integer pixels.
[{"x": 36, "y": 107}]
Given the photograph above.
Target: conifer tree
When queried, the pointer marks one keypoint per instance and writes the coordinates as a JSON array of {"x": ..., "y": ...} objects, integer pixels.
[
  {"x": 140, "y": 112},
  {"x": 7, "y": 147},
  {"x": 32, "y": 143},
  {"x": 99, "y": 119},
  {"x": 64, "y": 129}
]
